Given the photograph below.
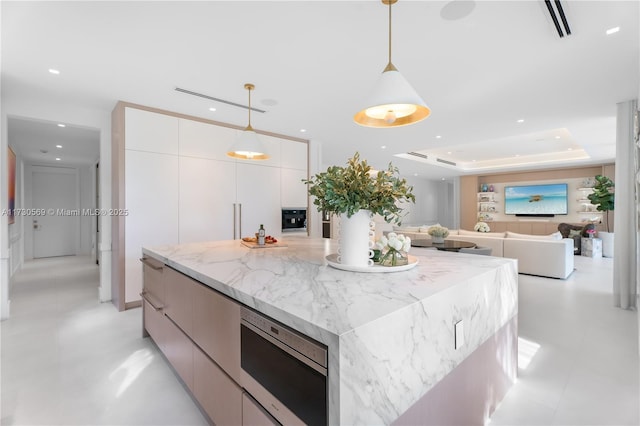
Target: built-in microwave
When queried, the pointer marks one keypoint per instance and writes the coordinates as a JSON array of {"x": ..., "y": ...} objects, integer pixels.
[
  {"x": 294, "y": 220},
  {"x": 283, "y": 370}
]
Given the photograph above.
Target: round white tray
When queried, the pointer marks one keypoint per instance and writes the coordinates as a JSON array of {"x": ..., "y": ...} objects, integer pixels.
[{"x": 332, "y": 260}]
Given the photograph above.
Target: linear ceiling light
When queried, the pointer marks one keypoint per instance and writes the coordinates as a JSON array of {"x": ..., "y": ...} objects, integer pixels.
[
  {"x": 248, "y": 146},
  {"x": 393, "y": 102}
]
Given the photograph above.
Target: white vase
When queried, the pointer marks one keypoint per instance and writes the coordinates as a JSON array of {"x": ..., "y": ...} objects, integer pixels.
[
  {"x": 437, "y": 240},
  {"x": 355, "y": 237},
  {"x": 607, "y": 243}
]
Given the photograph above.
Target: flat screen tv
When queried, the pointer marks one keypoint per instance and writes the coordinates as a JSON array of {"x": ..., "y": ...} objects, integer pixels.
[{"x": 536, "y": 200}]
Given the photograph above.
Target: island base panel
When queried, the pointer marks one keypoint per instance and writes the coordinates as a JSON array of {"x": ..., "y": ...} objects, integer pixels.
[{"x": 471, "y": 392}]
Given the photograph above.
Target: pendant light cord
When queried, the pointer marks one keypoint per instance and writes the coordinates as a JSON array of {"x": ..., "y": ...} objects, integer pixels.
[
  {"x": 249, "y": 86},
  {"x": 390, "y": 66}
]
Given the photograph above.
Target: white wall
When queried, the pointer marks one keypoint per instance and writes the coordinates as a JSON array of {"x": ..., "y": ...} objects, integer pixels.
[{"x": 425, "y": 209}]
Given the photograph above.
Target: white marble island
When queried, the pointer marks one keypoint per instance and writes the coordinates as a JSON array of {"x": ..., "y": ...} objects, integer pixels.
[{"x": 390, "y": 336}]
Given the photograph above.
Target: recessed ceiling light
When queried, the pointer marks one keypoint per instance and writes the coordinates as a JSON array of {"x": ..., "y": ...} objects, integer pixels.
[
  {"x": 212, "y": 109},
  {"x": 473, "y": 161},
  {"x": 303, "y": 130},
  {"x": 521, "y": 120},
  {"x": 438, "y": 137},
  {"x": 569, "y": 149},
  {"x": 517, "y": 155},
  {"x": 443, "y": 179},
  {"x": 383, "y": 147},
  {"x": 449, "y": 152},
  {"x": 613, "y": 30},
  {"x": 415, "y": 174},
  {"x": 57, "y": 158},
  {"x": 52, "y": 71},
  {"x": 62, "y": 125},
  {"x": 58, "y": 146},
  {"x": 557, "y": 137}
]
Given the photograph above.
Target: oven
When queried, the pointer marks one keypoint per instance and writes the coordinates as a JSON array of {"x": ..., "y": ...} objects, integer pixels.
[
  {"x": 283, "y": 370},
  {"x": 294, "y": 220}
]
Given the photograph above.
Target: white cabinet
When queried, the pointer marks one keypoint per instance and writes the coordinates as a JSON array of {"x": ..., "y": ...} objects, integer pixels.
[
  {"x": 173, "y": 176},
  {"x": 202, "y": 140},
  {"x": 294, "y": 155},
  {"x": 207, "y": 195},
  {"x": 151, "y": 132},
  {"x": 293, "y": 190},
  {"x": 151, "y": 199},
  {"x": 259, "y": 194}
]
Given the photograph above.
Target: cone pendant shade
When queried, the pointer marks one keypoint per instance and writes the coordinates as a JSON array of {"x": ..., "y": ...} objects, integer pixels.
[
  {"x": 392, "y": 103},
  {"x": 248, "y": 145}
]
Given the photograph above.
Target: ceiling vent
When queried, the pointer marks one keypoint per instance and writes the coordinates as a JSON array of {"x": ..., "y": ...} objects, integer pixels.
[
  {"x": 558, "y": 13},
  {"x": 417, "y": 154},
  {"x": 211, "y": 98},
  {"x": 451, "y": 163}
]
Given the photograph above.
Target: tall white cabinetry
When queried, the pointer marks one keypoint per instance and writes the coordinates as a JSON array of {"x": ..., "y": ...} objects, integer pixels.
[{"x": 173, "y": 176}]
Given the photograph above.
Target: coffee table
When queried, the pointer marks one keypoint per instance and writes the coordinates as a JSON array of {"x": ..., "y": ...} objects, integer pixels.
[{"x": 448, "y": 245}]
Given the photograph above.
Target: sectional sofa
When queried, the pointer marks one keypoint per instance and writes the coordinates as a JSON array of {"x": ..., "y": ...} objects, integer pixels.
[{"x": 543, "y": 255}]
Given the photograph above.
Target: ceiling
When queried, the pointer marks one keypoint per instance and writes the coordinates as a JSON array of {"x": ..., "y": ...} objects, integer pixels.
[{"x": 480, "y": 66}]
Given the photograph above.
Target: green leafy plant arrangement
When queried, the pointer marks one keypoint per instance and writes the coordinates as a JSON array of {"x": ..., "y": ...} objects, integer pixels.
[
  {"x": 603, "y": 196},
  {"x": 356, "y": 187}
]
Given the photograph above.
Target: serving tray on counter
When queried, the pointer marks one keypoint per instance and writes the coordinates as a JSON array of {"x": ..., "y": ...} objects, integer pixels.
[
  {"x": 253, "y": 245},
  {"x": 332, "y": 260}
]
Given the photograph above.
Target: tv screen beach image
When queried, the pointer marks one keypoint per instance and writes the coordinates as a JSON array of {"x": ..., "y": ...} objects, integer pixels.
[{"x": 536, "y": 199}]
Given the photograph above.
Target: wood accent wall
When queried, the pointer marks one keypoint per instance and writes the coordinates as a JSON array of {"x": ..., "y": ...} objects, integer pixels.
[{"x": 470, "y": 186}]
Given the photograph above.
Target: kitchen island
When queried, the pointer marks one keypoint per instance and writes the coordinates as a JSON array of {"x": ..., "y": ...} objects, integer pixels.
[{"x": 435, "y": 344}]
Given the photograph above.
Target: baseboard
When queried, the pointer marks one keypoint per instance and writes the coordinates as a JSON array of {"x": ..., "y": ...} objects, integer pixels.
[{"x": 132, "y": 305}]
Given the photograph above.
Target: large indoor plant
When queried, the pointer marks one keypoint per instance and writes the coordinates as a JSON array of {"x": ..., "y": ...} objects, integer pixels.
[
  {"x": 603, "y": 198},
  {"x": 355, "y": 193}
]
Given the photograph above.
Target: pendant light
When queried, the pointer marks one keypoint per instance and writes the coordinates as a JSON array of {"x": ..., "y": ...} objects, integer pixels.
[
  {"x": 393, "y": 102},
  {"x": 248, "y": 146}
]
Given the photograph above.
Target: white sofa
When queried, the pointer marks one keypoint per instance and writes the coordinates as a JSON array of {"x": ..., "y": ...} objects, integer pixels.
[{"x": 543, "y": 255}]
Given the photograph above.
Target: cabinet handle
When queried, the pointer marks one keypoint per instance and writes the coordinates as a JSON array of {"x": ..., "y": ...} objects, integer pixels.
[
  {"x": 148, "y": 300},
  {"x": 235, "y": 235},
  {"x": 240, "y": 220},
  {"x": 150, "y": 265}
]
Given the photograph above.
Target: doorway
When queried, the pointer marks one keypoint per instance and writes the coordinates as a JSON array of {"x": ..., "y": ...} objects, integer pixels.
[{"x": 55, "y": 193}]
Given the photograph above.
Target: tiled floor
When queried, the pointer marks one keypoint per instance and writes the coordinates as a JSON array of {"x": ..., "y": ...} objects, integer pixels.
[{"x": 66, "y": 359}]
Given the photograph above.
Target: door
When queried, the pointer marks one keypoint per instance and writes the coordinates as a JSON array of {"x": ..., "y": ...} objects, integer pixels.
[{"x": 55, "y": 191}]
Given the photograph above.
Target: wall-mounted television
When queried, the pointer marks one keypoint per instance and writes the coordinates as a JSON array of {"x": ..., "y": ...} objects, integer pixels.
[{"x": 536, "y": 200}]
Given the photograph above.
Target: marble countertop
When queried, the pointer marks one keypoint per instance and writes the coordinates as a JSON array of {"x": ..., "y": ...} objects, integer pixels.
[{"x": 371, "y": 322}]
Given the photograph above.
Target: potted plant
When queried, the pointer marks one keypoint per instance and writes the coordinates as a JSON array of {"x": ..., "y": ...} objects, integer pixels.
[
  {"x": 438, "y": 233},
  {"x": 603, "y": 198},
  {"x": 355, "y": 193}
]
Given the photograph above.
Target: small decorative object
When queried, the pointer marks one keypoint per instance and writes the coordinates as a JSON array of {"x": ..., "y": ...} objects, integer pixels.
[
  {"x": 394, "y": 249},
  {"x": 485, "y": 188},
  {"x": 481, "y": 227},
  {"x": 438, "y": 233},
  {"x": 346, "y": 191},
  {"x": 490, "y": 188},
  {"x": 591, "y": 232}
]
